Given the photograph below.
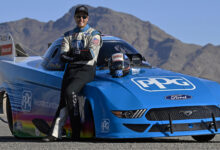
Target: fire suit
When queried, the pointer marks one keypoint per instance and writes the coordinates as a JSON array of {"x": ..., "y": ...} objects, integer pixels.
[{"x": 80, "y": 48}]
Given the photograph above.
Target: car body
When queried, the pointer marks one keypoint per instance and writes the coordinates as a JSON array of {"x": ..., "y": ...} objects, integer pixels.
[{"x": 148, "y": 102}]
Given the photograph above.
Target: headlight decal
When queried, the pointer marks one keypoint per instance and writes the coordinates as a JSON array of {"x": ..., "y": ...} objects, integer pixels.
[{"x": 139, "y": 113}]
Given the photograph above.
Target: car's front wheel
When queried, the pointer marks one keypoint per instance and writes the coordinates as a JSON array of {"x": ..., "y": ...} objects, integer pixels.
[
  {"x": 203, "y": 138},
  {"x": 88, "y": 126}
]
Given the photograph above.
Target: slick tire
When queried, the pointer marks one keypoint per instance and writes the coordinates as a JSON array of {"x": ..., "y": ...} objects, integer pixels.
[
  {"x": 92, "y": 121},
  {"x": 89, "y": 124},
  {"x": 9, "y": 114},
  {"x": 203, "y": 138}
]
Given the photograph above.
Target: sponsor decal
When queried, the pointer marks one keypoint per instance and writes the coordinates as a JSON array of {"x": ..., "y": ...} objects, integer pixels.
[
  {"x": 77, "y": 45},
  {"x": 86, "y": 34},
  {"x": 6, "y": 49},
  {"x": 135, "y": 71},
  {"x": 95, "y": 41},
  {"x": 117, "y": 57},
  {"x": 18, "y": 126},
  {"x": 54, "y": 65},
  {"x": 163, "y": 83},
  {"x": 26, "y": 101},
  {"x": 46, "y": 104},
  {"x": 178, "y": 97},
  {"x": 105, "y": 125}
]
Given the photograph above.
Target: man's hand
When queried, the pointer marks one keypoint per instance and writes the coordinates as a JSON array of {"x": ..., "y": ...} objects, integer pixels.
[
  {"x": 66, "y": 58},
  {"x": 83, "y": 55},
  {"x": 86, "y": 55}
]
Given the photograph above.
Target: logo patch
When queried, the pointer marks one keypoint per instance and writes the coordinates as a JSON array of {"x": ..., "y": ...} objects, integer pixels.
[
  {"x": 178, "y": 97},
  {"x": 77, "y": 45},
  {"x": 105, "y": 125},
  {"x": 188, "y": 112},
  {"x": 163, "y": 83},
  {"x": 26, "y": 101},
  {"x": 18, "y": 126},
  {"x": 6, "y": 49},
  {"x": 95, "y": 41}
]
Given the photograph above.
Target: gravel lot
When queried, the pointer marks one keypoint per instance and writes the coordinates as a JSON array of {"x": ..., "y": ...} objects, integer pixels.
[{"x": 8, "y": 142}]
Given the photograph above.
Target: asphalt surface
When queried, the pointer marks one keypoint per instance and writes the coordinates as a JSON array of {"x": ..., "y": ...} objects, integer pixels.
[{"x": 8, "y": 142}]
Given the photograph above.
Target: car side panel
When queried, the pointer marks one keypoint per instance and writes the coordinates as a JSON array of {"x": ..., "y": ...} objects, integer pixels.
[{"x": 30, "y": 96}]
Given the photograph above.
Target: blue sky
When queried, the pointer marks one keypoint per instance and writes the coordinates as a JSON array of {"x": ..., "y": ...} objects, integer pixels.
[{"x": 191, "y": 21}]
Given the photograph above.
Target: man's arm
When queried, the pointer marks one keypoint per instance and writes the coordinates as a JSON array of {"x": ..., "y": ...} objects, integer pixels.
[
  {"x": 91, "y": 51},
  {"x": 87, "y": 54},
  {"x": 95, "y": 44},
  {"x": 65, "y": 48}
]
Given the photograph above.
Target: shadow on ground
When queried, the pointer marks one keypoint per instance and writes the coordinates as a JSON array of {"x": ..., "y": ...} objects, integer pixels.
[
  {"x": 148, "y": 140},
  {"x": 4, "y": 139}
]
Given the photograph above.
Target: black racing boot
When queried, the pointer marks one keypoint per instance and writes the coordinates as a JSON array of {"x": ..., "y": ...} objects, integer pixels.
[{"x": 50, "y": 138}]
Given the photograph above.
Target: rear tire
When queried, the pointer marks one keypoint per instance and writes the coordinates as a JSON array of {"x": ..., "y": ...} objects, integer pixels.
[
  {"x": 203, "y": 138},
  {"x": 92, "y": 121},
  {"x": 1, "y": 103},
  {"x": 9, "y": 114}
]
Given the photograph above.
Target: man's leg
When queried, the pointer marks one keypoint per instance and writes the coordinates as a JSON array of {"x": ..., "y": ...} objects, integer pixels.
[
  {"x": 60, "y": 116},
  {"x": 73, "y": 107},
  {"x": 84, "y": 75},
  {"x": 58, "y": 123}
]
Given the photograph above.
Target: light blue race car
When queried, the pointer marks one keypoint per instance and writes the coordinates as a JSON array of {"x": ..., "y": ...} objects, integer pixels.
[{"x": 147, "y": 102}]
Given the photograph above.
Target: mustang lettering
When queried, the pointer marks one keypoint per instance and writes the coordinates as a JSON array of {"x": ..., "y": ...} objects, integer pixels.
[{"x": 178, "y": 97}]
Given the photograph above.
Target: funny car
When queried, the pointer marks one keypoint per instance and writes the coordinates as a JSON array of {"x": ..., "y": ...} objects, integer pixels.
[{"x": 148, "y": 102}]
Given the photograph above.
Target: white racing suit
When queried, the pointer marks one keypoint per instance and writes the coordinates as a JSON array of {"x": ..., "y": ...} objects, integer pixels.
[{"x": 80, "y": 49}]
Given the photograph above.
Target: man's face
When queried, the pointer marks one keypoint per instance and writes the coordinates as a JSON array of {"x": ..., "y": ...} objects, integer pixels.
[{"x": 81, "y": 19}]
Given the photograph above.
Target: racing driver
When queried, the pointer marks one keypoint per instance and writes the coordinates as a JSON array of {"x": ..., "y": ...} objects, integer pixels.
[{"x": 80, "y": 48}]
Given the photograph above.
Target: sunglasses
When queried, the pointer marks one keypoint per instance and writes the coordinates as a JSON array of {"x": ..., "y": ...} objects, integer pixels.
[{"x": 78, "y": 17}]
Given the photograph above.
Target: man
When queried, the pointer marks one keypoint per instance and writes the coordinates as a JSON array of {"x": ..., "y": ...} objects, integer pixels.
[{"x": 80, "y": 50}]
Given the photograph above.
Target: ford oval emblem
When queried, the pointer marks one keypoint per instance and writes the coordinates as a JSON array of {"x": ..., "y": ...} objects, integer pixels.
[{"x": 178, "y": 97}]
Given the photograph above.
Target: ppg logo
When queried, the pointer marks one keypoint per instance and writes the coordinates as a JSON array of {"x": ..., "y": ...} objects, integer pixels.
[
  {"x": 26, "y": 101},
  {"x": 163, "y": 83}
]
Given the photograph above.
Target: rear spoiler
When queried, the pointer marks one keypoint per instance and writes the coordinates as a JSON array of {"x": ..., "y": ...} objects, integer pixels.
[{"x": 7, "y": 47}]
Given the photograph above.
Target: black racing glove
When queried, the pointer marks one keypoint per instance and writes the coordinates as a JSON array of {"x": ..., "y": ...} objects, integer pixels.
[
  {"x": 85, "y": 55},
  {"x": 81, "y": 55},
  {"x": 66, "y": 58}
]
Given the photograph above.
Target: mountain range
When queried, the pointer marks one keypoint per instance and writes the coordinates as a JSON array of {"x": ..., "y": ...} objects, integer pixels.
[{"x": 158, "y": 47}]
